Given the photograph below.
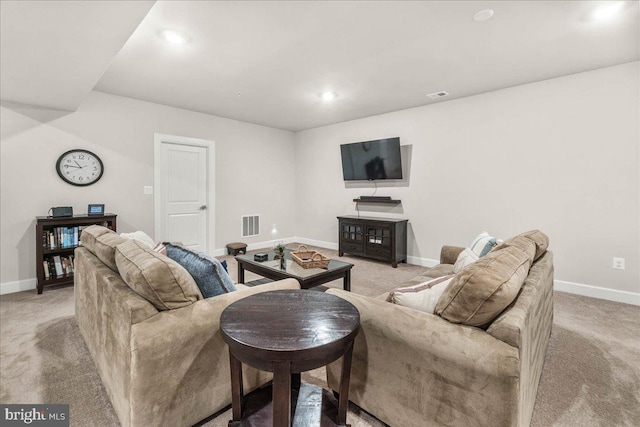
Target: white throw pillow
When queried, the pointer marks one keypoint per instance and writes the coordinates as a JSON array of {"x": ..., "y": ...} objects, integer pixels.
[
  {"x": 141, "y": 237},
  {"x": 423, "y": 296},
  {"x": 483, "y": 244},
  {"x": 466, "y": 257}
]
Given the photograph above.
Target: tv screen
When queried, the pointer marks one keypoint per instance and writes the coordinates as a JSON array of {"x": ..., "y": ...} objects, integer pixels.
[{"x": 369, "y": 160}]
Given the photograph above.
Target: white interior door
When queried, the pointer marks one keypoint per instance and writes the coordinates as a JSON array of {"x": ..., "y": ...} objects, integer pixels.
[{"x": 184, "y": 202}]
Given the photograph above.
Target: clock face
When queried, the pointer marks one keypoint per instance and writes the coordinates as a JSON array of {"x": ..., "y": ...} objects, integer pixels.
[{"x": 79, "y": 167}]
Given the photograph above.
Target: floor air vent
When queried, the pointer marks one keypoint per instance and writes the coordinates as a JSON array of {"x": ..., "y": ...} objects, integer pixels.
[{"x": 250, "y": 225}]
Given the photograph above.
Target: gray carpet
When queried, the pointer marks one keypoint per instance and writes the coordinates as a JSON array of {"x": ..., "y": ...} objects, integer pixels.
[{"x": 591, "y": 375}]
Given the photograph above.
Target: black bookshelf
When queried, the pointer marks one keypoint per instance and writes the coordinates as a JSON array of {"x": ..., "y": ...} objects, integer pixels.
[{"x": 56, "y": 240}]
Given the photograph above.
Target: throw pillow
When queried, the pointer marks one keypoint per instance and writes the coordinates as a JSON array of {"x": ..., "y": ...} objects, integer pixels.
[
  {"x": 480, "y": 292},
  {"x": 155, "y": 277},
  {"x": 466, "y": 257},
  {"x": 140, "y": 236},
  {"x": 423, "y": 296},
  {"x": 208, "y": 272},
  {"x": 160, "y": 248},
  {"x": 483, "y": 244}
]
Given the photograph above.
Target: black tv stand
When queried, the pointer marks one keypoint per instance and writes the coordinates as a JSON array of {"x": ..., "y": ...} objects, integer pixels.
[{"x": 384, "y": 239}]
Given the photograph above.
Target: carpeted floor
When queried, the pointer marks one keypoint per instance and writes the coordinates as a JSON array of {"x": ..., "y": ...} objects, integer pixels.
[{"x": 591, "y": 375}]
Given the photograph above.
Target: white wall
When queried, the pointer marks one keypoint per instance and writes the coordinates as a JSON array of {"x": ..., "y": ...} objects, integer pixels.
[
  {"x": 254, "y": 171},
  {"x": 561, "y": 155}
]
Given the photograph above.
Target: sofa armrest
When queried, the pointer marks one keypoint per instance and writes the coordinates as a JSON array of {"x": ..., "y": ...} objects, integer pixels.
[
  {"x": 410, "y": 366},
  {"x": 180, "y": 359},
  {"x": 449, "y": 254}
]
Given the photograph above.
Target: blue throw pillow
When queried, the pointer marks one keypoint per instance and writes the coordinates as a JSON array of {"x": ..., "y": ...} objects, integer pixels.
[
  {"x": 208, "y": 272},
  {"x": 224, "y": 264}
]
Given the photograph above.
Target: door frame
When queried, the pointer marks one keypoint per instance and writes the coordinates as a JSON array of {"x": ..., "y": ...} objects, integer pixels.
[{"x": 158, "y": 140}]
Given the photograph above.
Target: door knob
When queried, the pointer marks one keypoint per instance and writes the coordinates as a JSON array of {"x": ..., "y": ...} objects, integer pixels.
[{"x": 203, "y": 207}]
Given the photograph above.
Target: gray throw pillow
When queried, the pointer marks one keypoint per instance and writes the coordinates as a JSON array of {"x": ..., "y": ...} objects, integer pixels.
[{"x": 208, "y": 272}]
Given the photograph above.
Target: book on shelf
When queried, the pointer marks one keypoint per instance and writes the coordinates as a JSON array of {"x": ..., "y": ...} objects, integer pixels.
[
  {"x": 58, "y": 266},
  {"x": 62, "y": 237},
  {"x": 58, "y": 263},
  {"x": 45, "y": 265}
]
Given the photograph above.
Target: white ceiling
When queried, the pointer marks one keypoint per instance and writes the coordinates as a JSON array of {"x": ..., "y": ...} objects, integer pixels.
[
  {"x": 378, "y": 56},
  {"x": 52, "y": 53}
]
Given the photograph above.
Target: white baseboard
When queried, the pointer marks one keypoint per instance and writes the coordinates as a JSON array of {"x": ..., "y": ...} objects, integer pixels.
[
  {"x": 318, "y": 243},
  {"x": 597, "y": 292},
  {"x": 17, "y": 286},
  {"x": 424, "y": 262}
]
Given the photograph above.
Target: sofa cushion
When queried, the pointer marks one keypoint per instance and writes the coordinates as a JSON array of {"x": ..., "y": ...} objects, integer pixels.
[
  {"x": 105, "y": 248},
  {"x": 480, "y": 292},
  {"x": 90, "y": 234},
  {"x": 210, "y": 276},
  {"x": 140, "y": 236},
  {"x": 423, "y": 296},
  {"x": 483, "y": 244},
  {"x": 466, "y": 257},
  {"x": 438, "y": 271},
  {"x": 524, "y": 240},
  {"x": 155, "y": 277}
]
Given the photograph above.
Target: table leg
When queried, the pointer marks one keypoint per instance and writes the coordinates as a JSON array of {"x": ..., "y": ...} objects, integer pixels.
[
  {"x": 240, "y": 273},
  {"x": 295, "y": 381},
  {"x": 282, "y": 394},
  {"x": 347, "y": 281},
  {"x": 236, "y": 388},
  {"x": 343, "y": 401}
]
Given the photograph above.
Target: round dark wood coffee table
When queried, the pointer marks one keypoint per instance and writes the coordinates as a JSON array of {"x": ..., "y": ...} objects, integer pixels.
[{"x": 288, "y": 332}]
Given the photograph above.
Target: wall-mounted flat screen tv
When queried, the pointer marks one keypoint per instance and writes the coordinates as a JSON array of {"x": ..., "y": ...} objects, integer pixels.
[{"x": 372, "y": 160}]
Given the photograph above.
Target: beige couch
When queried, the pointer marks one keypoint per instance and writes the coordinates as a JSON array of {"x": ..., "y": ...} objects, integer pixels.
[
  {"x": 412, "y": 368},
  {"x": 160, "y": 368}
]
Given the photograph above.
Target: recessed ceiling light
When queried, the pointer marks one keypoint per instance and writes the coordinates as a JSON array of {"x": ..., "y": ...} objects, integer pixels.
[
  {"x": 607, "y": 11},
  {"x": 483, "y": 15},
  {"x": 328, "y": 96},
  {"x": 174, "y": 37}
]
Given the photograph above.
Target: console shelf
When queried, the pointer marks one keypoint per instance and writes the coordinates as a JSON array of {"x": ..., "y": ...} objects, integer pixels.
[{"x": 387, "y": 201}]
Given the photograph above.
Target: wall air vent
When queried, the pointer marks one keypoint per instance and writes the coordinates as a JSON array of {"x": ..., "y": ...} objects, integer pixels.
[
  {"x": 250, "y": 225},
  {"x": 438, "y": 95}
]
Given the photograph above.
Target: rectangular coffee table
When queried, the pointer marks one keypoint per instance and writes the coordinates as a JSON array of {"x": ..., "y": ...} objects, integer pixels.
[{"x": 308, "y": 278}]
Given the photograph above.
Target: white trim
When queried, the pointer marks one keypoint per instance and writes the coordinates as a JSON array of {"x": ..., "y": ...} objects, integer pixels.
[
  {"x": 597, "y": 292},
  {"x": 424, "y": 262},
  {"x": 17, "y": 286},
  {"x": 318, "y": 243},
  {"x": 158, "y": 139}
]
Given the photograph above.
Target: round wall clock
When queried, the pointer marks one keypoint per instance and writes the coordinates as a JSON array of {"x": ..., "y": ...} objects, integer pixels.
[{"x": 79, "y": 167}]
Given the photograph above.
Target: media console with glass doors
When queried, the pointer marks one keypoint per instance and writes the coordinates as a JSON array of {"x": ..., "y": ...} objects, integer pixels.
[{"x": 384, "y": 239}]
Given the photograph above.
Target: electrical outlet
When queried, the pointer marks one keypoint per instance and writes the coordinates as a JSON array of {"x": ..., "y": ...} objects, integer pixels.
[
  {"x": 148, "y": 189},
  {"x": 618, "y": 263}
]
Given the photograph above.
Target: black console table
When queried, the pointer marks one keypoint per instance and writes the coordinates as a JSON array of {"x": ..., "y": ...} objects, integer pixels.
[{"x": 384, "y": 239}]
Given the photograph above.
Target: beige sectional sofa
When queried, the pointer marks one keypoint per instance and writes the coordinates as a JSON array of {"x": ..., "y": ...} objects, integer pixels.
[
  {"x": 412, "y": 368},
  {"x": 160, "y": 367}
]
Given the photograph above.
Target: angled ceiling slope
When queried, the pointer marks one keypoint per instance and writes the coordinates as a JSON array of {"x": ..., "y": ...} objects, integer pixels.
[
  {"x": 52, "y": 53},
  {"x": 267, "y": 62}
]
